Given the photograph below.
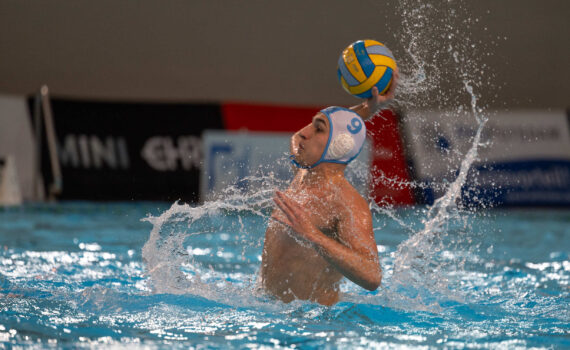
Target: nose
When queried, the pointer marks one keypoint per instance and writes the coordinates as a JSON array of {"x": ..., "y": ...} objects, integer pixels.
[{"x": 305, "y": 132}]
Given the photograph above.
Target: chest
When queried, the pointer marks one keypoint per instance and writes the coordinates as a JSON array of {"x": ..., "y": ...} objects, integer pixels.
[{"x": 320, "y": 206}]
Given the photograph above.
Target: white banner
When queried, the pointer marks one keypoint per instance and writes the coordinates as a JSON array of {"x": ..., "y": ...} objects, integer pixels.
[
  {"x": 524, "y": 160},
  {"x": 16, "y": 140}
]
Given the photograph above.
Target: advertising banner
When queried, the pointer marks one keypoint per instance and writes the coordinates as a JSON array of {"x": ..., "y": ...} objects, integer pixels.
[
  {"x": 130, "y": 151},
  {"x": 524, "y": 159}
]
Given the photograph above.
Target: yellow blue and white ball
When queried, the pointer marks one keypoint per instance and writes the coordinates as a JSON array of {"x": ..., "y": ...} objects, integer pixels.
[{"x": 365, "y": 64}]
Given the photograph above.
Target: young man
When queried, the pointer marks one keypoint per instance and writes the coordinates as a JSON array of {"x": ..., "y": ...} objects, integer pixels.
[{"x": 322, "y": 228}]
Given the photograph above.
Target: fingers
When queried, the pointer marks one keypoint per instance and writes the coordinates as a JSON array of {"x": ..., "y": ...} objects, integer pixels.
[
  {"x": 295, "y": 216},
  {"x": 293, "y": 208},
  {"x": 282, "y": 204},
  {"x": 375, "y": 93},
  {"x": 296, "y": 209},
  {"x": 282, "y": 221}
]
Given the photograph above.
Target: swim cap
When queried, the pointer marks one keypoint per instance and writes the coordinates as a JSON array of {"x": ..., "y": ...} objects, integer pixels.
[{"x": 347, "y": 134}]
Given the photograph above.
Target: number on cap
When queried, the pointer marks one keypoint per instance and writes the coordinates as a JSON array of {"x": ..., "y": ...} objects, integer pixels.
[{"x": 355, "y": 126}]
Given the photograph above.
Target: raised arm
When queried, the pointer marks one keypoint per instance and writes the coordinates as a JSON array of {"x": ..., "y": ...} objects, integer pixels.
[{"x": 372, "y": 106}]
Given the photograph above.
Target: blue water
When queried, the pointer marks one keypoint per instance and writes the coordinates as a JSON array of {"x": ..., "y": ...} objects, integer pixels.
[{"x": 72, "y": 275}]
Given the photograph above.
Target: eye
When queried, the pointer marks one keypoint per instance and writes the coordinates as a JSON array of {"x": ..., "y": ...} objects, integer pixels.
[{"x": 318, "y": 127}]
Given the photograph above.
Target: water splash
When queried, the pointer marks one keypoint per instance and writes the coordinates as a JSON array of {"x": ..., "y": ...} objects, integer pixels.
[
  {"x": 439, "y": 56},
  {"x": 183, "y": 244},
  {"x": 172, "y": 253},
  {"x": 439, "y": 67}
]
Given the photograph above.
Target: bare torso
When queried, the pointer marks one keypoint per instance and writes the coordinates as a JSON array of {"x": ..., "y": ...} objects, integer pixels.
[{"x": 291, "y": 269}]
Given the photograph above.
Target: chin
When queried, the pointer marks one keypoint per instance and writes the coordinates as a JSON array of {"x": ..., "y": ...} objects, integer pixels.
[{"x": 305, "y": 164}]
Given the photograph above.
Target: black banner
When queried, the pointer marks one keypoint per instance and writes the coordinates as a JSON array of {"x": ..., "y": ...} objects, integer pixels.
[{"x": 129, "y": 151}]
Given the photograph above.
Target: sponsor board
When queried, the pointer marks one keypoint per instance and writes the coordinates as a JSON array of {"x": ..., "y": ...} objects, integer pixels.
[
  {"x": 246, "y": 162},
  {"x": 524, "y": 158},
  {"x": 129, "y": 151}
]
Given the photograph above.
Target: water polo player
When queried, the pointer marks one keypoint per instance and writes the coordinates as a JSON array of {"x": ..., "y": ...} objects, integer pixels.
[{"x": 322, "y": 227}]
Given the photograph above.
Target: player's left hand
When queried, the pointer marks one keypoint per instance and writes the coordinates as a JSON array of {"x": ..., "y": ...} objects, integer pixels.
[{"x": 295, "y": 216}]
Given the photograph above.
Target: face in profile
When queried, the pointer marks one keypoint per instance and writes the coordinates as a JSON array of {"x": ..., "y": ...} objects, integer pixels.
[{"x": 312, "y": 140}]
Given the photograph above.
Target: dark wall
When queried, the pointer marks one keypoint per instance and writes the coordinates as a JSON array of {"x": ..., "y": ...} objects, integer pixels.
[{"x": 272, "y": 51}]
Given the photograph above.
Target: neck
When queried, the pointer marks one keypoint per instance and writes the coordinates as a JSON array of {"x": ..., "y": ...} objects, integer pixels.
[{"x": 324, "y": 172}]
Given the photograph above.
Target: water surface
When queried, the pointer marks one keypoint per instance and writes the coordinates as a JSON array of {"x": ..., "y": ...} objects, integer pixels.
[{"x": 73, "y": 274}]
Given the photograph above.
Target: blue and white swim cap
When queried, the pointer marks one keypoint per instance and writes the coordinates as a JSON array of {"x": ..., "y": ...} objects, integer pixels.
[{"x": 347, "y": 134}]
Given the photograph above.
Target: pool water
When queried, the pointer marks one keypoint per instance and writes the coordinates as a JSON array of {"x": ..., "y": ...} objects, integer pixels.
[{"x": 156, "y": 275}]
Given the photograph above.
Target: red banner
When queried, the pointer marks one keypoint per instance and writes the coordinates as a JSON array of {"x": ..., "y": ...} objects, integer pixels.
[
  {"x": 251, "y": 117},
  {"x": 391, "y": 178}
]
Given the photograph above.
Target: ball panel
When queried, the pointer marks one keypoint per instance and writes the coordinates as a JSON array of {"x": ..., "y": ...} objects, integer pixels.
[
  {"x": 380, "y": 60},
  {"x": 362, "y": 57},
  {"x": 384, "y": 83},
  {"x": 344, "y": 85},
  {"x": 379, "y": 50},
  {"x": 353, "y": 65},
  {"x": 385, "y": 89},
  {"x": 370, "y": 42},
  {"x": 370, "y": 82},
  {"x": 344, "y": 72},
  {"x": 366, "y": 94}
]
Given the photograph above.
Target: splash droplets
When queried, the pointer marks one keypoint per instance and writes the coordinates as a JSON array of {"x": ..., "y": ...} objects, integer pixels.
[
  {"x": 440, "y": 69},
  {"x": 454, "y": 77}
]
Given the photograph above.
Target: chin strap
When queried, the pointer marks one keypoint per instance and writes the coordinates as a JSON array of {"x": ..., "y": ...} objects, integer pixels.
[{"x": 295, "y": 163}]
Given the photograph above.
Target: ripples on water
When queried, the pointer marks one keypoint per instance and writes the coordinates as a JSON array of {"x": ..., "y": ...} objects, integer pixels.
[{"x": 73, "y": 274}]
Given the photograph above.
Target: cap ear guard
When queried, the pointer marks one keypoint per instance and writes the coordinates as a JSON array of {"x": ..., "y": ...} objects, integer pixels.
[{"x": 340, "y": 146}]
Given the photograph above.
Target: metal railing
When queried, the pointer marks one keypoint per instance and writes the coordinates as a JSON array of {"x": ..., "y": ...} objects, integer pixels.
[{"x": 43, "y": 116}]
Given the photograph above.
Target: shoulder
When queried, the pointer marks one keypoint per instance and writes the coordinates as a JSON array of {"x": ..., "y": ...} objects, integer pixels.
[
  {"x": 352, "y": 203},
  {"x": 355, "y": 218}
]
